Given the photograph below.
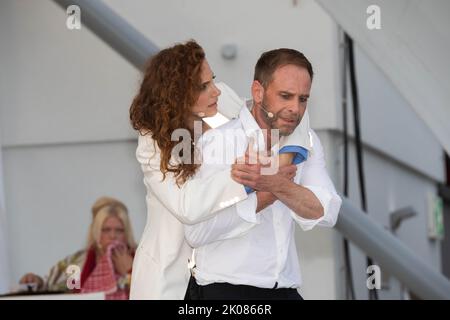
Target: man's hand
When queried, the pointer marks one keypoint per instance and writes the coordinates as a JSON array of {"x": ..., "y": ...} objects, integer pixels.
[{"x": 288, "y": 171}]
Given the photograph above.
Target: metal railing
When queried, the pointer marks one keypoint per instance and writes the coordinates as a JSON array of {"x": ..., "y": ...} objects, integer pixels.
[
  {"x": 375, "y": 241},
  {"x": 114, "y": 30},
  {"x": 391, "y": 254}
]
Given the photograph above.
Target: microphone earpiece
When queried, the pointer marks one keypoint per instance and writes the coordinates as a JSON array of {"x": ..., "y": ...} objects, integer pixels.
[{"x": 269, "y": 114}]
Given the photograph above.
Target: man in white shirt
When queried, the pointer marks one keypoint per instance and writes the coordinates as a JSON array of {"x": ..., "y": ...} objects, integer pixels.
[{"x": 252, "y": 254}]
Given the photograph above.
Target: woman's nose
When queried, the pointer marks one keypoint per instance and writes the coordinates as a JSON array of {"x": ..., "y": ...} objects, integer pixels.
[{"x": 217, "y": 91}]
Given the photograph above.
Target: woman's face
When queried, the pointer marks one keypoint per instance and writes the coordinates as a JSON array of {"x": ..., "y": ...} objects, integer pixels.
[
  {"x": 206, "y": 104},
  {"x": 112, "y": 230}
]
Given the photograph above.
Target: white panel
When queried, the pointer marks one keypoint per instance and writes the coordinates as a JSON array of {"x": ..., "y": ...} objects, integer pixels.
[
  {"x": 316, "y": 256},
  {"x": 389, "y": 124}
]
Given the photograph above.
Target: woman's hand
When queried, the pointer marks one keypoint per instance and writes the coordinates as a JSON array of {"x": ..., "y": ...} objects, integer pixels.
[
  {"x": 31, "y": 278},
  {"x": 122, "y": 260}
]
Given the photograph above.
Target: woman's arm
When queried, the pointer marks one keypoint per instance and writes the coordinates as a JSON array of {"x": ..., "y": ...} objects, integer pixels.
[{"x": 198, "y": 198}]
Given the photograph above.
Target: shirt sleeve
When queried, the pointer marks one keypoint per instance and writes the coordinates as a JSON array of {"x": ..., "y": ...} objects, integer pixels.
[
  {"x": 300, "y": 153},
  {"x": 315, "y": 177},
  {"x": 198, "y": 199},
  {"x": 229, "y": 223}
]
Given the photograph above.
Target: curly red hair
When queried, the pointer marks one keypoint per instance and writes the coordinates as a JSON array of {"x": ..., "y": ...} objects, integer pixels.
[{"x": 169, "y": 89}]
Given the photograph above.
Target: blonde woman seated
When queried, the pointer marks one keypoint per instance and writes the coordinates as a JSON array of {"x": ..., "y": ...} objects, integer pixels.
[{"x": 105, "y": 263}]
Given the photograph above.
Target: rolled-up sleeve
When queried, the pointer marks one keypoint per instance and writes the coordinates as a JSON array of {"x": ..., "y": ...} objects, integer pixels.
[{"x": 315, "y": 177}]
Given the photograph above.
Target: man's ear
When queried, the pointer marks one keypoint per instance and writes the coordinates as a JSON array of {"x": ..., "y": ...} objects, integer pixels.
[{"x": 257, "y": 91}]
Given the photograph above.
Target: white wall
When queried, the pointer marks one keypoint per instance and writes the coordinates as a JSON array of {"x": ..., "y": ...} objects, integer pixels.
[
  {"x": 390, "y": 125},
  {"x": 61, "y": 85}
]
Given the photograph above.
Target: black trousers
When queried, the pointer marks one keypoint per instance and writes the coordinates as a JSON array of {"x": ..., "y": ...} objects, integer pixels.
[{"x": 227, "y": 291}]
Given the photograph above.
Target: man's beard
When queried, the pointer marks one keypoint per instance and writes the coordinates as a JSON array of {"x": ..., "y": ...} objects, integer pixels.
[
  {"x": 271, "y": 122},
  {"x": 285, "y": 131}
]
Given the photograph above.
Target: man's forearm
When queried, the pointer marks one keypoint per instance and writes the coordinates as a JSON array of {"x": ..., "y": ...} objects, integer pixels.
[
  {"x": 264, "y": 199},
  {"x": 299, "y": 199}
]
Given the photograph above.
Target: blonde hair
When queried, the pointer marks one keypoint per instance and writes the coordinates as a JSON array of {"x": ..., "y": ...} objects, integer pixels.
[
  {"x": 106, "y": 211},
  {"x": 103, "y": 202}
]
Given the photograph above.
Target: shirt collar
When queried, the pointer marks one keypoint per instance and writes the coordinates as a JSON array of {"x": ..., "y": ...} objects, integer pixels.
[{"x": 251, "y": 127}]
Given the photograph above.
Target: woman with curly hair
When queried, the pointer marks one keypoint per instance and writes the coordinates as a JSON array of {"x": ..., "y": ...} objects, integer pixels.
[{"x": 177, "y": 90}]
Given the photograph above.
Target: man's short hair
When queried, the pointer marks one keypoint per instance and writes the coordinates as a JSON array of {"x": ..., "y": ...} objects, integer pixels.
[{"x": 274, "y": 59}]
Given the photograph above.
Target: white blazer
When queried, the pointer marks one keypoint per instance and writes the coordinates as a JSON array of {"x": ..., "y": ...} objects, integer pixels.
[{"x": 160, "y": 267}]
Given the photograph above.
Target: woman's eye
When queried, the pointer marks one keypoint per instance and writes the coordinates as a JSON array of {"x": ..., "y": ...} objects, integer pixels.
[{"x": 205, "y": 85}]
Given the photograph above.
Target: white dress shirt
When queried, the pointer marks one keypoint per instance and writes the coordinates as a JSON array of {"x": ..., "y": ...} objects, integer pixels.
[{"x": 252, "y": 248}]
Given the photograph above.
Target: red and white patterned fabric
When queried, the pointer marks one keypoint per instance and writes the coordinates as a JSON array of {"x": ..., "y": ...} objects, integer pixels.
[{"x": 104, "y": 279}]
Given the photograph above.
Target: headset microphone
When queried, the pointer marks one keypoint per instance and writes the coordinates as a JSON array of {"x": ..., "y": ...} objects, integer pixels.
[{"x": 269, "y": 114}]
